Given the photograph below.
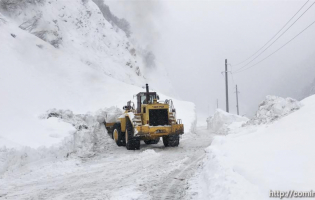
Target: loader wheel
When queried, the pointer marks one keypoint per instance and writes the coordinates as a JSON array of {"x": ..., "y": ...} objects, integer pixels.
[
  {"x": 118, "y": 135},
  {"x": 110, "y": 132},
  {"x": 171, "y": 140},
  {"x": 152, "y": 141},
  {"x": 132, "y": 143}
]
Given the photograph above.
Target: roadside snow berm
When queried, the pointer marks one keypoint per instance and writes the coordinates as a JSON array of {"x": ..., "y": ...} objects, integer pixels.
[
  {"x": 273, "y": 108},
  {"x": 261, "y": 159},
  {"x": 221, "y": 121},
  {"x": 150, "y": 121}
]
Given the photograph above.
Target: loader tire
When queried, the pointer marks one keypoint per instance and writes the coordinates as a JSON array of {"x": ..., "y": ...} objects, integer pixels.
[
  {"x": 171, "y": 140},
  {"x": 157, "y": 140},
  {"x": 118, "y": 136},
  {"x": 132, "y": 143}
]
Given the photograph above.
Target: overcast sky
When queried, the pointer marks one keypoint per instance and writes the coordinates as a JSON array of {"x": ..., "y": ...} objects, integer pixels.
[{"x": 192, "y": 39}]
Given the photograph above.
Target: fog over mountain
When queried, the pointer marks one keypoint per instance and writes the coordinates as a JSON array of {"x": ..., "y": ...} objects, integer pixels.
[{"x": 193, "y": 38}]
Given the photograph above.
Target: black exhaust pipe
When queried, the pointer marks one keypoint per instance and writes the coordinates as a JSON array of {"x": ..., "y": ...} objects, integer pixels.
[{"x": 147, "y": 94}]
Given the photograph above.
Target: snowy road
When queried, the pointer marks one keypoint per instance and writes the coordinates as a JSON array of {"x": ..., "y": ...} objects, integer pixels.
[{"x": 154, "y": 172}]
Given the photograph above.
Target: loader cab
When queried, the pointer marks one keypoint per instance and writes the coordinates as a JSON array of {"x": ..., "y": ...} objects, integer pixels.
[{"x": 141, "y": 99}]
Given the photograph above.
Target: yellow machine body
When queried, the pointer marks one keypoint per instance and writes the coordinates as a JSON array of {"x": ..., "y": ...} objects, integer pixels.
[
  {"x": 149, "y": 121},
  {"x": 145, "y": 130}
]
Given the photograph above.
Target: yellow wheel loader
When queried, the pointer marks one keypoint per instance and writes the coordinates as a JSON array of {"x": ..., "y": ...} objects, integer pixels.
[{"x": 150, "y": 121}]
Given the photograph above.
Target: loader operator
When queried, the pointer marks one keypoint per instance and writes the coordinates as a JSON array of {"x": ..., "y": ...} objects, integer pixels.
[{"x": 145, "y": 100}]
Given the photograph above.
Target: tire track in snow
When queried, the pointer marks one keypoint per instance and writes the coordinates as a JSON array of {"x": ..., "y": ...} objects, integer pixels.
[
  {"x": 173, "y": 185},
  {"x": 175, "y": 188}
]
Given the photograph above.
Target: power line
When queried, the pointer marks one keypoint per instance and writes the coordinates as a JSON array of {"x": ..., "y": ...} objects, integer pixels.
[
  {"x": 276, "y": 38},
  {"x": 231, "y": 74},
  {"x": 276, "y": 50},
  {"x": 274, "y": 35}
]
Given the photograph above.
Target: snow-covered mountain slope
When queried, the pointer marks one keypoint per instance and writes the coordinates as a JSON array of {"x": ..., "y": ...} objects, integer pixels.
[
  {"x": 260, "y": 159},
  {"x": 79, "y": 28},
  {"x": 87, "y": 70}
]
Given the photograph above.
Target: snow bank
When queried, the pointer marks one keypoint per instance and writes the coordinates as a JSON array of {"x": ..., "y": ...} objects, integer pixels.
[
  {"x": 111, "y": 114},
  {"x": 247, "y": 165},
  {"x": 273, "y": 108},
  {"x": 89, "y": 132},
  {"x": 86, "y": 138},
  {"x": 219, "y": 123}
]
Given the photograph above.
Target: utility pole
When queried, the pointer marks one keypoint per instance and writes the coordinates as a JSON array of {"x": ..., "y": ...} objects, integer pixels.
[
  {"x": 237, "y": 106},
  {"x": 226, "y": 87}
]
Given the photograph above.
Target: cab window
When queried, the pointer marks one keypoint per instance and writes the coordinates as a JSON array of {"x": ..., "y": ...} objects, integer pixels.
[{"x": 143, "y": 98}]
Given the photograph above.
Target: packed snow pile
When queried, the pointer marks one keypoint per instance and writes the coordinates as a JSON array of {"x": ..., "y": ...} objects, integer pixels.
[
  {"x": 273, "y": 108},
  {"x": 261, "y": 159},
  {"x": 89, "y": 135},
  {"x": 221, "y": 121},
  {"x": 87, "y": 138},
  {"x": 109, "y": 114}
]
